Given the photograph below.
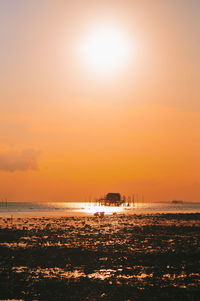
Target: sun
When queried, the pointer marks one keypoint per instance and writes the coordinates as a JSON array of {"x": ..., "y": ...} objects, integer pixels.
[{"x": 105, "y": 49}]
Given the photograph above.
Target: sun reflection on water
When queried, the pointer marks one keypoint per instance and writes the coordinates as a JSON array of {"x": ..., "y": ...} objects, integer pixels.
[{"x": 105, "y": 209}]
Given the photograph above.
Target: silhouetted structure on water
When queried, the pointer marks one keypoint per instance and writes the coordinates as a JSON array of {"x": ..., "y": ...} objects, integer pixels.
[
  {"x": 112, "y": 199},
  {"x": 177, "y": 202}
]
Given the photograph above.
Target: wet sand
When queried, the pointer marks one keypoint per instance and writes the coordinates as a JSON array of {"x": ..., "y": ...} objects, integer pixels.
[{"x": 119, "y": 257}]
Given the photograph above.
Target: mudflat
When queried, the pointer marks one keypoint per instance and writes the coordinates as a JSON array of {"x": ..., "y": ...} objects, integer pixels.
[{"x": 119, "y": 257}]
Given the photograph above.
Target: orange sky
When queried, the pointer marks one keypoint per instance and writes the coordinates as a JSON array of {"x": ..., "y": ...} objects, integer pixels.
[{"x": 67, "y": 134}]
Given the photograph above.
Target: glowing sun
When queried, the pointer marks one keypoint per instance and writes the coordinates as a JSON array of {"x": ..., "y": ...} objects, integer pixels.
[{"x": 105, "y": 49}]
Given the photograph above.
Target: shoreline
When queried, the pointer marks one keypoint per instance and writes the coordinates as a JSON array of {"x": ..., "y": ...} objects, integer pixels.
[{"x": 70, "y": 213}]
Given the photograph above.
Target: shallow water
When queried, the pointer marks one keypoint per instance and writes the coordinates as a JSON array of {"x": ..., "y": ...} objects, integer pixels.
[{"x": 85, "y": 208}]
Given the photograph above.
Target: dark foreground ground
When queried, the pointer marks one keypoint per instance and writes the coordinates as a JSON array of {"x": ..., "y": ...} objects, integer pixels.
[{"x": 138, "y": 257}]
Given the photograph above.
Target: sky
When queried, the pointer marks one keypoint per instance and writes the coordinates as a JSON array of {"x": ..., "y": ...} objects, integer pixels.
[{"x": 68, "y": 133}]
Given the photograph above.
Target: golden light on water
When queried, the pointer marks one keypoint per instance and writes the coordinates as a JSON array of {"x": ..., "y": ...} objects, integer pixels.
[
  {"x": 105, "y": 49},
  {"x": 106, "y": 209}
]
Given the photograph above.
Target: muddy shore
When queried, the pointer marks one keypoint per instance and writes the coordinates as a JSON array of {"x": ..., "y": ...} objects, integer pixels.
[{"x": 122, "y": 257}]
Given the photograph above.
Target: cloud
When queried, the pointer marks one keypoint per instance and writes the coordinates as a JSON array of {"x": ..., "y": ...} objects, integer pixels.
[{"x": 19, "y": 160}]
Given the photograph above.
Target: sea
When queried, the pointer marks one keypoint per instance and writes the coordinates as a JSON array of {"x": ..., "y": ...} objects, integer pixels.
[{"x": 15, "y": 209}]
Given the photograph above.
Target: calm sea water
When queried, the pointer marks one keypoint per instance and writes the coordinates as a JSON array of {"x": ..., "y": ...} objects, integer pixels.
[{"x": 81, "y": 208}]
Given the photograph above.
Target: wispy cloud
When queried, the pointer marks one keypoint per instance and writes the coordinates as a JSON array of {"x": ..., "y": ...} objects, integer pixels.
[{"x": 19, "y": 160}]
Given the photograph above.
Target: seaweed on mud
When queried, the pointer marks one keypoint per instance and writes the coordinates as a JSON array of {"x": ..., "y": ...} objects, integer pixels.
[{"x": 145, "y": 257}]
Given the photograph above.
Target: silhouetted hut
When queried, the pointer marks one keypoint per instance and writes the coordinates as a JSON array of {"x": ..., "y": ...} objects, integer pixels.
[{"x": 112, "y": 199}]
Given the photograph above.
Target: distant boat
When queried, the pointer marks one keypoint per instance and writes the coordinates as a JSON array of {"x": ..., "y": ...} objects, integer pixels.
[{"x": 177, "y": 202}]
